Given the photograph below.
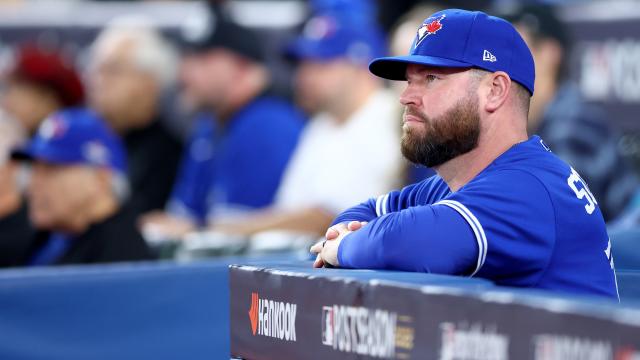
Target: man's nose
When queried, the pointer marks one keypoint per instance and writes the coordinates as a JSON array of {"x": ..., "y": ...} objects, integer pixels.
[{"x": 410, "y": 96}]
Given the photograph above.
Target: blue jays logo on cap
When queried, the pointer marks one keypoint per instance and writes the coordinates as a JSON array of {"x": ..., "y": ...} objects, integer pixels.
[
  {"x": 75, "y": 136},
  {"x": 53, "y": 127},
  {"x": 457, "y": 38},
  {"x": 429, "y": 27}
]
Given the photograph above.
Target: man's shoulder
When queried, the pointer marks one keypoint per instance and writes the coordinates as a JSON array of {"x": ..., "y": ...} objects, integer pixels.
[
  {"x": 122, "y": 222},
  {"x": 273, "y": 108},
  {"x": 266, "y": 116},
  {"x": 153, "y": 139},
  {"x": 117, "y": 238},
  {"x": 533, "y": 157}
]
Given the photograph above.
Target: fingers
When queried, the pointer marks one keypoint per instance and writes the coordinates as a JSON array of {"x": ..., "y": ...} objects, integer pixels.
[
  {"x": 317, "y": 247},
  {"x": 331, "y": 234},
  {"x": 356, "y": 225},
  {"x": 318, "y": 263},
  {"x": 335, "y": 231}
]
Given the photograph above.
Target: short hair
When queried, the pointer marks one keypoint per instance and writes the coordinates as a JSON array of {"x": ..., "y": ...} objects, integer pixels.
[
  {"x": 152, "y": 52},
  {"x": 521, "y": 94}
]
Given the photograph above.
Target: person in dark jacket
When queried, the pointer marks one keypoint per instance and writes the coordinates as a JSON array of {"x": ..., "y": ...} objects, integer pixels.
[{"x": 132, "y": 69}]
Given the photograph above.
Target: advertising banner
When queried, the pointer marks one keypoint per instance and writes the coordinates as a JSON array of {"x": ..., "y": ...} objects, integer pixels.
[{"x": 282, "y": 314}]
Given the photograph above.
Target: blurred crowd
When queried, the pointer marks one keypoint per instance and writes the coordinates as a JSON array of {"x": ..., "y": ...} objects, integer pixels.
[{"x": 92, "y": 168}]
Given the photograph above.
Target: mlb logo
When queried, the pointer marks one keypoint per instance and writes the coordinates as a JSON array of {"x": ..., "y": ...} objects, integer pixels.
[{"x": 327, "y": 325}]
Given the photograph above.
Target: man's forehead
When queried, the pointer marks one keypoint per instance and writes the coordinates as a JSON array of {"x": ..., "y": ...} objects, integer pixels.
[
  {"x": 67, "y": 168},
  {"x": 115, "y": 48},
  {"x": 418, "y": 69}
]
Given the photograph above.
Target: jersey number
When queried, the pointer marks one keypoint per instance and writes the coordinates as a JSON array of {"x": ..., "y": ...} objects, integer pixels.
[{"x": 583, "y": 192}]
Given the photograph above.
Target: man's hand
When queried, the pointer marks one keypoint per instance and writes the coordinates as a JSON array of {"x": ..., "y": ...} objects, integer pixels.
[
  {"x": 162, "y": 225},
  {"x": 327, "y": 250}
]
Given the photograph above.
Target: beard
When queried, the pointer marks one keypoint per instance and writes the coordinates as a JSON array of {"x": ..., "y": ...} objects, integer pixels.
[{"x": 441, "y": 139}]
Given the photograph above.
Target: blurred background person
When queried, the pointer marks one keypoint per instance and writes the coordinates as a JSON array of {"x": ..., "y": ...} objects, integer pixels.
[
  {"x": 76, "y": 194},
  {"x": 40, "y": 82},
  {"x": 13, "y": 211},
  {"x": 132, "y": 69},
  {"x": 238, "y": 151},
  {"x": 351, "y": 146},
  {"x": 579, "y": 133}
]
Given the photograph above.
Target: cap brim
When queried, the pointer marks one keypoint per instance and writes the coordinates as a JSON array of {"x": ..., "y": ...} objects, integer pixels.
[
  {"x": 30, "y": 153},
  {"x": 395, "y": 68},
  {"x": 21, "y": 155}
]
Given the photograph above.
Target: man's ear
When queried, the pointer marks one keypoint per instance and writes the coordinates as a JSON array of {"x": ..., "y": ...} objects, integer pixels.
[{"x": 499, "y": 88}]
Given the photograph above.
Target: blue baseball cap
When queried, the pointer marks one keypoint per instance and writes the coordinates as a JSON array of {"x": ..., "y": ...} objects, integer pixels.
[
  {"x": 328, "y": 36},
  {"x": 75, "y": 136},
  {"x": 460, "y": 38}
]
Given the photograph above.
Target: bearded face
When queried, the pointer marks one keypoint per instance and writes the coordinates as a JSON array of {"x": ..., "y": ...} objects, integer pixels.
[{"x": 434, "y": 141}]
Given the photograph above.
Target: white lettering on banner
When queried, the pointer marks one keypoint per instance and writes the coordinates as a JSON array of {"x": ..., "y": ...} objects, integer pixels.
[
  {"x": 359, "y": 330},
  {"x": 274, "y": 319},
  {"x": 559, "y": 347},
  {"x": 472, "y": 343}
]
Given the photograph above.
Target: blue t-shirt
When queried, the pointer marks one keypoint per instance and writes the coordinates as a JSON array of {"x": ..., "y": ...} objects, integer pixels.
[
  {"x": 527, "y": 220},
  {"x": 237, "y": 167}
]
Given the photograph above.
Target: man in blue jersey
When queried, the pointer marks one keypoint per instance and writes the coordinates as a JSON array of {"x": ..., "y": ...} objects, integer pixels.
[
  {"x": 242, "y": 142},
  {"x": 502, "y": 206}
]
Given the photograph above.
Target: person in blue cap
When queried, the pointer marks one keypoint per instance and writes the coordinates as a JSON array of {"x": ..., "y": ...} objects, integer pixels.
[
  {"x": 76, "y": 195},
  {"x": 350, "y": 147},
  {"x": 502, "y": 206}
]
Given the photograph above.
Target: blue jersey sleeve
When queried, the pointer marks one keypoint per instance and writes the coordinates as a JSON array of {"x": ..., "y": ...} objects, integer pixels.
[
  {"x": 412, "y": 240},
  {"x": 496, "y": 227},
  {"x": 426, "y": 192},
  {"x": 189, "y": 194}
]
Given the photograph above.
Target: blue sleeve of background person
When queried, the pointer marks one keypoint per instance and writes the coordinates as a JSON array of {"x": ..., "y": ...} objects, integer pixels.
[
  {"x": 501, "y": 227},
  {"x": 428, "y": 238},
  {"x": 258, "y": 153},
  {"x": 425, "y": 192},
  {"x": 189, "y": 194}
]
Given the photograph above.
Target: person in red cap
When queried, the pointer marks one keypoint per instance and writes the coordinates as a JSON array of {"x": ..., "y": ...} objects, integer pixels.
[{"x": 40, "y": 83}]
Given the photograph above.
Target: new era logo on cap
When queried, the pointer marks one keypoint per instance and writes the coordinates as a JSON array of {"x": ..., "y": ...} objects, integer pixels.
[{"x": 487, "y": 56}]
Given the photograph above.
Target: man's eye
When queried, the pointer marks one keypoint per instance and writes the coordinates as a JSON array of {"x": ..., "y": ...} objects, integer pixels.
[{"x": 431, "y": 78}]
